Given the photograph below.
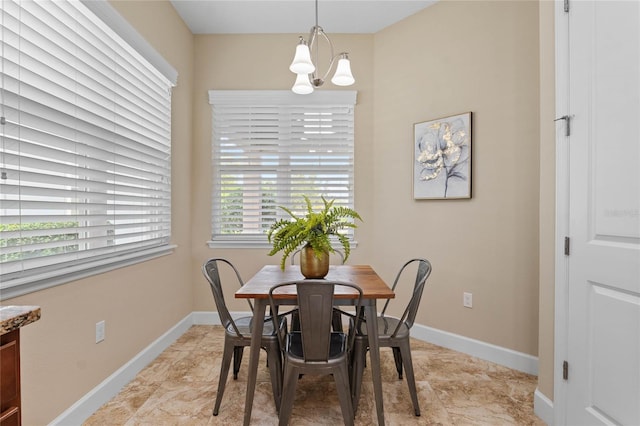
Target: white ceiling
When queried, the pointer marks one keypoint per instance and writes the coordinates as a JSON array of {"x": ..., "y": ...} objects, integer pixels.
[{"x": 293, "y": 16}]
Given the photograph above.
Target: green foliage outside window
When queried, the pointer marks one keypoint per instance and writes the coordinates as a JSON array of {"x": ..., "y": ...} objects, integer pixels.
[
  {"x": 232, "y": 208},
  {"x": 37, "y": 239}
]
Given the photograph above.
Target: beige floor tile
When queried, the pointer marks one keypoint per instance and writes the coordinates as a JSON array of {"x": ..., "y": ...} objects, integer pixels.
[{"x": 179, "y": 388}]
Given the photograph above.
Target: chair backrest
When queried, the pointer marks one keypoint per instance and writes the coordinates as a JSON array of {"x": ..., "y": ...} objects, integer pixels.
[
  {"x": 409, "y": 314},
  {"x": 211, "y": 271},
  {"x": 315, "y": 308},
  {"x": 338, "y": 252}
]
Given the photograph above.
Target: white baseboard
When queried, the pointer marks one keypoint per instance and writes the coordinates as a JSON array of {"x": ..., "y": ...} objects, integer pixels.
[
  {"x": 101, "y": 394},
  {"x": 543, "y": 407},
  {"x": 497, "y": 354},
  {"x": 503, "y": 356},
  {"x": 206, "y": 318},
  {"x": 212, "y": 318}
]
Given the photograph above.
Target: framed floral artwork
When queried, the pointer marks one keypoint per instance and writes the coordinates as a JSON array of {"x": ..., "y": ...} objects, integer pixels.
[{"x": 442, "y": 158}]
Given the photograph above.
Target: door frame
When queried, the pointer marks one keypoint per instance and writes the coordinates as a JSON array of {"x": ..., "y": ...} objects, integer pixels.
[{"x": 563, "y": 230}]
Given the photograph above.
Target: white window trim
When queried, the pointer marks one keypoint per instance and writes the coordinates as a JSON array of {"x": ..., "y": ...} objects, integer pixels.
[
  {"x": 266, "y": 97},
  {"x": 20, "y": 287}
]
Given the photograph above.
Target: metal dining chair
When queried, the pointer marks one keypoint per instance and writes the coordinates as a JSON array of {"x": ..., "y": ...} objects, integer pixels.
[
  {"x": 337, "y": 316},
  {"x": 394, "y": 333},
  {"x": 237, "y": 335},
  {"x": 315, "y": 349}
]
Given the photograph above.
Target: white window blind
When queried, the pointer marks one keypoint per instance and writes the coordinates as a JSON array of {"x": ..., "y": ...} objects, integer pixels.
[
  {"x": 269, "y": 149},
  {"x": 85, "y": 144}
]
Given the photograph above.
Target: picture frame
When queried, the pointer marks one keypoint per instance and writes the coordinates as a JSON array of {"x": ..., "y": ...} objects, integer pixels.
[{"x": 442, "y": 158}]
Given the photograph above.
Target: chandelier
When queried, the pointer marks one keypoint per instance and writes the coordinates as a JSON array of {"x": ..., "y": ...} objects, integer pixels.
[{"x": 308, "y": 75}]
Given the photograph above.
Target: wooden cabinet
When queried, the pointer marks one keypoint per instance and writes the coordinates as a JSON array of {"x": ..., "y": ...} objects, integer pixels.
[
  {"x": 11, "y": 319},
  {"x": 10, "y": 378}
]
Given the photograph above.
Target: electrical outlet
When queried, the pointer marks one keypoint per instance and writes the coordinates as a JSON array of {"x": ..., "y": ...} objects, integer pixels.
[
  {"x": 99, "y": 331},
  {"x": 467, "y": 300}
]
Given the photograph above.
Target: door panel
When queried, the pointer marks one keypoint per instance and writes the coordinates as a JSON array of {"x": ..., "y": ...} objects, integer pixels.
[
  {"x": 604, "y": 214},
  {"x": 614, "y": 33},
  {"x": 611, "y": 312}
]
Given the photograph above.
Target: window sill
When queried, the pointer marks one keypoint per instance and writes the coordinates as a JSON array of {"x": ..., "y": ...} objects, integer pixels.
[
  {"x": 244, "y": 243},
  {"x": 30, "y": 284}
]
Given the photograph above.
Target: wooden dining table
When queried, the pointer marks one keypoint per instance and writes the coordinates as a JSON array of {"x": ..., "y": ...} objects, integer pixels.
[{"x": 373, "y": 288}]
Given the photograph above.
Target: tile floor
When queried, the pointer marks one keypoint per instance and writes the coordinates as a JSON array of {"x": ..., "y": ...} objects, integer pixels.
[{"x": 179, "y": 388}]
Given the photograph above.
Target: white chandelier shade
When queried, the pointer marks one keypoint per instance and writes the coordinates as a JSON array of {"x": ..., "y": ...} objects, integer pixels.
[
  {"x": 303, "y": 85},
  {"x": 307, "y": 70},
  {"x": 343, "y": 76},
  {"x": 302, "y": 61}
]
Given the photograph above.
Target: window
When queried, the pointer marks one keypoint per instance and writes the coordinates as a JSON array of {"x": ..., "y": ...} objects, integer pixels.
[
  {"x": 269, "y": 149},
  {"x": 85, "y": 147}
]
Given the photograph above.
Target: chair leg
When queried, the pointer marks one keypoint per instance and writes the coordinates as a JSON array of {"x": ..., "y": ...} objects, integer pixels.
[
  {"x": 275, "y": 371},
  {"x": 341, "y": 377},
  {"x": 405, "y": 350},
  {"x": 289, "y": 383},
  {"x": 227, "y": 354},
  {"x": 397, "y": 357},
  {"x": 237, "y": 360},
  {"x": 359, "y": 356}
]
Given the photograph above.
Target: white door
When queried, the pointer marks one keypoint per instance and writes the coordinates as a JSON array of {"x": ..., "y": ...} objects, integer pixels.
[{"x": 603, "y": 286}]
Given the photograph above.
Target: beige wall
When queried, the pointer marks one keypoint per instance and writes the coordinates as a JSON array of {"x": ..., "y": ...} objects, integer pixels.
[
  {"x": 60, "y": 360},
  {"x": 491, "y": 58},
  {"x": 451, "y": 58}
]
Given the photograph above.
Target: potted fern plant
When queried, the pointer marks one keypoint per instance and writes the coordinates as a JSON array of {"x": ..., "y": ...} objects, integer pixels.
[{"x": 311, "y": 233}]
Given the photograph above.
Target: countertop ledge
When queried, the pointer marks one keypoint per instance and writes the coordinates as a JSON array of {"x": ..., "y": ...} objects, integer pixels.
[{"x": 13, "y": 317}]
